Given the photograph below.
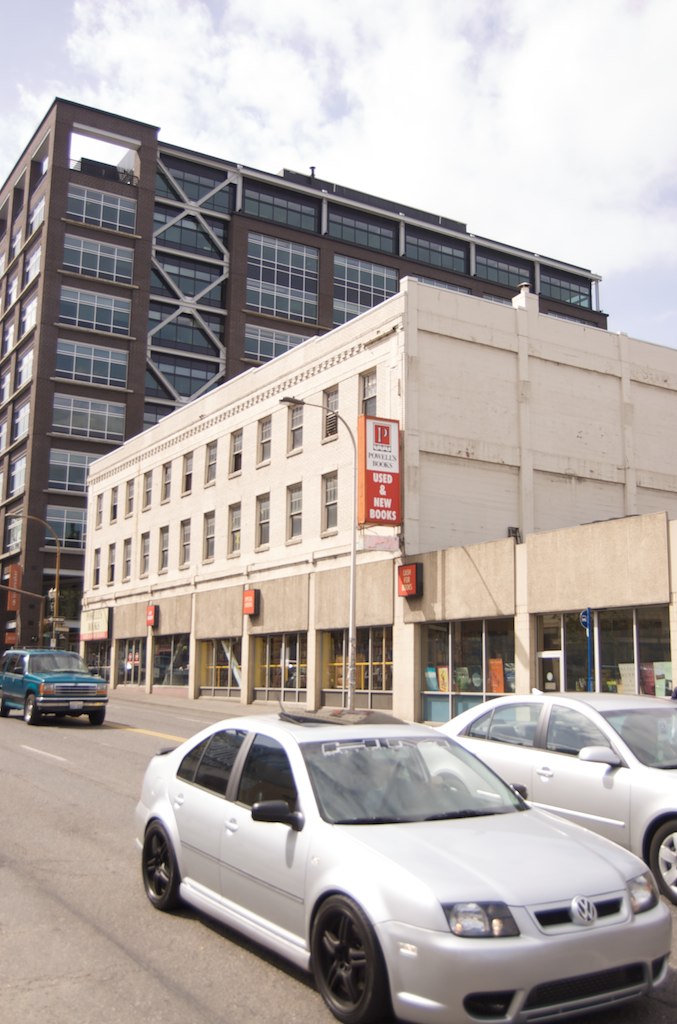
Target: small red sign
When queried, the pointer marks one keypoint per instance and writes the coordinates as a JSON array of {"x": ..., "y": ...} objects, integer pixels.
[
  {"x": 152, "y": 614},
  {"x": 250, "y": 602},
  {"x": 410, "y": 580}
]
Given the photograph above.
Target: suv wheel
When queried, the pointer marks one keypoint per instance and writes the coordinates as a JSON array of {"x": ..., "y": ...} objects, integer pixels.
[{"x": 31, "y": 710}]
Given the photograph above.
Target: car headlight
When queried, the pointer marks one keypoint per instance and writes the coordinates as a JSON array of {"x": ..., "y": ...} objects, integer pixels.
[
  {"x": 47, "y": 689},
  {"x": 643, "y": 893},
  {"x": 481, "y": 920}
]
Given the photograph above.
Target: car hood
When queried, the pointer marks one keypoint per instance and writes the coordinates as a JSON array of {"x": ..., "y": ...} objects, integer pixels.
[{"x": 521, "y": 858}]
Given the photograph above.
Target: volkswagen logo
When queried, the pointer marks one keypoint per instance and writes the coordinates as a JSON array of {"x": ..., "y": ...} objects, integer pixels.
[{"x": 583, "y": 910}]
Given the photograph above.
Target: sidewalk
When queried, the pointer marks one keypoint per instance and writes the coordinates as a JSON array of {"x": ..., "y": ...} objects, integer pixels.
[{"x": 177, "y": 697}]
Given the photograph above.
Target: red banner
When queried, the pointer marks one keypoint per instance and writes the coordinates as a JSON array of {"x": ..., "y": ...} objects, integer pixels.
[
  {"x": 15, "y": 578},
  {"x": 378, "y": 472}
]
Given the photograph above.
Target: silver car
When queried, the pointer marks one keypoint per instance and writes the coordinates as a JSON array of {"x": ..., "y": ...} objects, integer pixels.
[
  {"x": 399, "y": 869},
  {"x": 606, "y": 761}
]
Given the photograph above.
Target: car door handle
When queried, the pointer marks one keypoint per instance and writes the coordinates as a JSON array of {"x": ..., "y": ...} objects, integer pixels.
[
  {"x": 545, "y": 772},
  {"x": 231, "y": 825},
  {"x": 178, "y": 800}
]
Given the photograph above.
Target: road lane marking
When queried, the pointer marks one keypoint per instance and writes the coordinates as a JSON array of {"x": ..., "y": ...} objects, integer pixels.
[
  {"x": 34, "y": 750},
  {"x": 147, "y": 732}
]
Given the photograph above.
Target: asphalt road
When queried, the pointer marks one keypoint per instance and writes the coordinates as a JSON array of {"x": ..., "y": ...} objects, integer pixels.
[{"x": 79, "y": 942}]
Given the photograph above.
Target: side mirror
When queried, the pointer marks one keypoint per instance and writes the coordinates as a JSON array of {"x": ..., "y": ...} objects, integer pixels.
[
  {"x": 600, "y": 755},
  {"x": 520, "y": 790},
  {"x": 278, "y": 810}
]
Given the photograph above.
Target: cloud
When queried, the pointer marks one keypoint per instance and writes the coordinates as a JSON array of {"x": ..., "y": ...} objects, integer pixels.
[{"x": 548, "y": 125}]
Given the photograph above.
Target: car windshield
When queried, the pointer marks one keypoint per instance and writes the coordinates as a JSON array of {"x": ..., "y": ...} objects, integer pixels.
[
  {"x": 650, "y": 733},
  {"x": 56, "y": 661},
  {"x": 380, "y": 780}
]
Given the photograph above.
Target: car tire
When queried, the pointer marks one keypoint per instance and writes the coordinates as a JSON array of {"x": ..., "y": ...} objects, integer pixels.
[
  {"x": 31, "y": 710},
  {"x": 4, "y": 710},
  {"x": 347, "y": 962},
  {"x": 159, "y": 867},
  {"x": 663, "y": 858},
  {"x": 97, "y": 716}
]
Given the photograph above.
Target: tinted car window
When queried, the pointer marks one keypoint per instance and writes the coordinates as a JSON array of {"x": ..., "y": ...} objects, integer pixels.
[
  {"x": 569, "y": 731},
  {"x": 210, "y": 763},
  {"x": 267, "y": 774},
  {"x": 514, "y": 723}
]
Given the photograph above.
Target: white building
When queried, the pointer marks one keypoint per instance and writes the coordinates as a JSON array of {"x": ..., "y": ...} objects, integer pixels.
[{"x": 517, "y": 429}]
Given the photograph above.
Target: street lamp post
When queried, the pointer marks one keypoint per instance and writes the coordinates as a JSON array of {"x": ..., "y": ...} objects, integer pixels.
[
  {"x": 57, "y": 564},
  {"x": 352, "y": 631}
]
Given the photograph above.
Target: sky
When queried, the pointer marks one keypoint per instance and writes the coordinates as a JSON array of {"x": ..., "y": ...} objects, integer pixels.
[{"x": 545, "y": 124}]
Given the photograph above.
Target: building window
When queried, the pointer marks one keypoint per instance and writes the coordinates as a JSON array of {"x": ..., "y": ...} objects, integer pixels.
[
  {"x": 166, "y": 489},
  {"x": 90, "y": 206},
  {"x": 127, "y": 558},
  {"x": 21, "y": 420},
  {"x": 82, "y": 417},
  {"x": 98, "y": 259},
  {"x": 111, "y": 563},
  {"x": 437, "y": 251},
  {"x": 360, "y": 229},
  {"x": 94, "y": 311},
  {"x": 329, "y": 502},
  {"x": 206, "y": 237},
  {"x": 17, "y": 475},
  {"x": 13, "y": 533},
  {"x": 99, "y": 511},
  {"x": 113, "y": 504},
  {"x": 96, "y": 568},
  {"x": 294, "y": 511},
  {"x": 464, "y": 663},
  {"x": 565, "y": 288},
  {"x": 280, "y": 207},
  {"x": 359, "y": 286},
  {"x": 29, "y": 316},
  {"x": 24, "y": 369},
  {"x": 368, "y": 393},
  {"x": 264, "y": 343},
  {"x": 37, "y": 216},
  {"x": 147, "y": 489},
  {"x": 263, "y": 520},
  {"x": 281, "y": 661},
  {"x": 32, "y": 265},
  {"x": 202, "y": 282},
  {"x": 221, "y": 660},
  {"x": 184, "y": 542},
  {"x": 8, "y": 337},
  {"x": 510, "y": 272},
  {"x": 187, "y": 480},
  {"x": 330, "y": 401},
  {"x": 234, "y": 520},
  {"x": 144, "y": 555},
  {"x": 202, "y": 185},
  {"x": 68, "y": 470},
  {"x": 208, "y": 536},
  {"x": 210, "y": 462},
  {"x": 236, "y": 452},
  {"x": 282, "y": 278},
  {"x": 295, "y": 427},
  {"x": 373, "y": 665},
  {"x": 163, "y": 549},
  {"x": 129, "y": 497},
  {"x": 69, "y": 526},
  {"x": 265, "y": 434}
]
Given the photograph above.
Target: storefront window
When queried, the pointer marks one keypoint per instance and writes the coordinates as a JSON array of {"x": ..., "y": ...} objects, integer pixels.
[
  {"x": 373, "y": 667},
  {"x": 132, "y": 661},
  {"x": 655, "y": 666},
  {"x": 464, "y": 662},
  {"x": 170, "y": 660},
  {"x": 280, "y": 666},
  {"x": 616, "y": 651},
  {"x": 220, "y": 662}
]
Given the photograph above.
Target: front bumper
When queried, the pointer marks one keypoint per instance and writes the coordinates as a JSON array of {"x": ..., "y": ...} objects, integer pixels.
[
  {"x": 70, "y": 706},
  {"x": 436, "y": 977}
]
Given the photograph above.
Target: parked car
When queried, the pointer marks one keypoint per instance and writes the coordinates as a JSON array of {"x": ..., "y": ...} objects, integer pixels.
[
  {"x": 50, "y": 682},
  {"x": 399, "y": 869},
  {"x": 606, "y": 761}
]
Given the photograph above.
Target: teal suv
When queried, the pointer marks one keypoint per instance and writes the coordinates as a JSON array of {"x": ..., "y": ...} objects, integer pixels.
[{"x": 50, "y": 682}]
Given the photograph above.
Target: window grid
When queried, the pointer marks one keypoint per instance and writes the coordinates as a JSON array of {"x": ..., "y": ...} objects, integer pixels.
[
  {"x": 236, "y": 452},
  {"x": 330, "y": 501},
  {"x": 576, "y": 293},
  {"x": 129, "y": 497},
  {"x": 208, "y": 536},
  {"x": 144, "y": 554},
  {"x": 295, "y": 427},
  {"x": 359, "y": 286},
  {"x": 82, "y": 417},
  {"x": 294, "y": 511},
  {"x": 263, "y": 520},
  {"x": 260, "y": 202},
  {"x": 501, "y": 270},
  {"x": 360, "y": 230},
  {"x": 69, "y": 524},
  {"x": 98, "y": 259},
  {"x": 187, "y": 482},
  {"x": 184, "y": 542},
  {"x": 68, "y": 470},
  {"x": 265, "y": 439},
  {"x": 111, "y": 563},
  {"x": 368, "y": 388},
  {"x": 166, "y": 482},
  {"x": 90, "y": 206},
  {"x": 92, "y": 364},
  {"x": 210, "y": 462},
  {"x": 437, "y": 252},
  {"x": 330, "y": 401},
  {"x": 264, "y": 343},
  {"x": 234, "y": 533},
  {"x": 127, "y": 558},
  {"x": 147, "y": 488},
  {"x": 163, "y": 549},
  {"x": 94, "y": 311},
  {"x": 282, "y": 278}
]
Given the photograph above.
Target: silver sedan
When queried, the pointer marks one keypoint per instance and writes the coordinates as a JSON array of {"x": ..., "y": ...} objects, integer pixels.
[
  {"x": 399, "y": 869},
  {"x": 606, "y": 761}
]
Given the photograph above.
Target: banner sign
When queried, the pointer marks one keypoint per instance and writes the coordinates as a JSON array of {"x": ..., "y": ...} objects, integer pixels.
[
  {"x": 250, "y": 602},
  {"x": 15, "y": 578},
  {"x": 378, "y": 472},
  {"x": 153, "y": 615},
  {"x": 410, "y": 580},
  {"x": 95, "y": 624}
]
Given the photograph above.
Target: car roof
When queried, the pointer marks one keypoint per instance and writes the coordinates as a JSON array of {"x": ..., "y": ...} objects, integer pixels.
[
  {"x": 328, "y": 724},
  {"x": 598, "y": 701}
]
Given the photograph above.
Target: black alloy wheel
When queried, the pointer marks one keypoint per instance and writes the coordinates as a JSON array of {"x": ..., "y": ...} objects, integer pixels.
[
  {"x": 159, "y": 868},
  {"x": 348, "y": 964}
]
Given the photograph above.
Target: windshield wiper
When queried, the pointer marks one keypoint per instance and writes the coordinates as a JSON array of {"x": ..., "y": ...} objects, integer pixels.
[{"x": 372, "y": 821}]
